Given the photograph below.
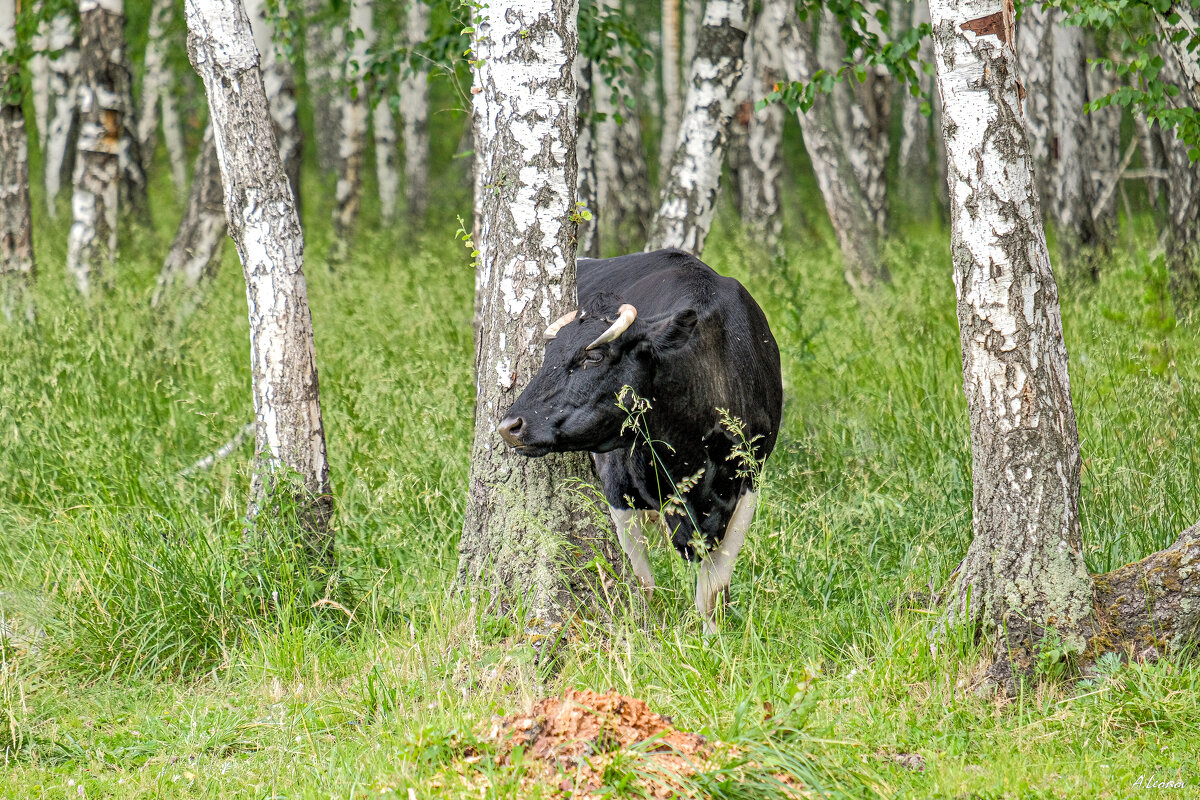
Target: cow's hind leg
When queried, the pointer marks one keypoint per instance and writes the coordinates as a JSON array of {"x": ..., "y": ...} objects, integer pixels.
[
  {"x": 716, "y": 569},
  {"x": 628, "y": 523}
]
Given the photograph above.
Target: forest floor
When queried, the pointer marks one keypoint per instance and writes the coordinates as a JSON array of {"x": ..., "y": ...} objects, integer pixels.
[{"x": 141, "y": 661}]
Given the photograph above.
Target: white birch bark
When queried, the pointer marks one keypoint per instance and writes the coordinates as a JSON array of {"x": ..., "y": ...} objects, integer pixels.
[
  {"x": 1024, "y": 577},
  {"x": 279, "y": 80},
  {"x": 689, "y": 192},
  {"x": 1035, "y": 54},
  {"x": 1073, "y": 195},
  {"x": 196, "y": 250},
  {"x": 352, "y": 146},
  {"x": 862, "y": 110},
  {"x": 39, "y": 76},
  {"x": 101, "y": 147},
  {"x": 156, "y": 93},
  {"x": 586, "y": 191},
  {"x": 672, "y": 109},
  {"x": 290, "y": 436},
  {"x": 622, "y": 181},
  {"x": 914, "y": 166},
  {"x": 16, "y": 221},
  {"x": 414, "y": 113},
  {"x": 62, "y": 123},
  {"x": 853, "y": 223},
  {"x": 324, "y": 51},
  {"x": 387, "y": 174},
  {"x": 1183, "y": 190},
  {"x": 523, "y": 538},
  {"x": 761, "y": 186}
]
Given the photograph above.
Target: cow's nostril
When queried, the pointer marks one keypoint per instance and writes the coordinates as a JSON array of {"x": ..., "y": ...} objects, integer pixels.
[{"x": 510, "y": 430}]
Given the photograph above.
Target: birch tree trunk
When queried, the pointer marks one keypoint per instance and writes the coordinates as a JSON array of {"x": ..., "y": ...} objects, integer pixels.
[
  {"x": 16, "y": 222},
  {"x": 62, "y": 124},
  {"x": 862, "y": 110},
  {"x": 672, "y": 110},
  {"x": 387, "y": 174},
  {"x": 1183, "y": 187},
  {"x": 39, "y": 76},
  {"x": 324, "y": 50},
  {"x": 587, "y": 190},
  {"x": 279, "y": 79},
  {"x": 1024, "y": 578},
  {"x": 156, "y": 93},
  {"x": 1035, "y": 54},
  {"x": 689, "y": 193},
  {"x": 622, "y": 179},
  {"x": 290, "y": 436},
  {"x": 414, "y": 109},
  {"x": 195, "y": 252},
  {"x": 101, "y": 148},
  {"x": 1153, "y": 155},
  {"x": 845, "y": 201},
  {"x": 353, "y": 144},
  {"x": 761, "y": 185},
  {"x": 916, "y": 175},
  {"x": 1104, "y": 134},
  {"x": 1073, "y": 195},
  {"x": 524, "y": 538},
  {"x": 693, "y": 12}
]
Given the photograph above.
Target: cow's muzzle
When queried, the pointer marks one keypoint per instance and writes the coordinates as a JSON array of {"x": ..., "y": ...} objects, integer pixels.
[{"x": 511, "y": 429}]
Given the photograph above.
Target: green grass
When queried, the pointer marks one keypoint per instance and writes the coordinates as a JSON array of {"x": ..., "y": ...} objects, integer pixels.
[{"x": 141, "y": 659}]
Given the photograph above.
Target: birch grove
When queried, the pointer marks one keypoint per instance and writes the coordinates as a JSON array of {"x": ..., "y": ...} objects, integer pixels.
[
  {"x": 290, "y": 435},
  {"x": 762, "y": 174},
  {"x": 524, "y": 538},
  {"x": 1024, "y": 577},
  {"x": 689, "y": 190},
  {"x": 353, "y": 133},
  {"x": 16, "y": 221},
  {"x": 279, "y": 80}
]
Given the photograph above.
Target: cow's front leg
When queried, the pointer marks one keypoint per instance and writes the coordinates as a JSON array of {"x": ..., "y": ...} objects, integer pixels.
[
  {"x": 628, "y": 523},
  {"x": 716, "y": 569}
]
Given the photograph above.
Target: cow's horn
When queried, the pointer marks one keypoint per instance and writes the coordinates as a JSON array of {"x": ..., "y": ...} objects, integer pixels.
[
  {"x": 626, "y": 314},
  {"x": 553, "y": 330}
]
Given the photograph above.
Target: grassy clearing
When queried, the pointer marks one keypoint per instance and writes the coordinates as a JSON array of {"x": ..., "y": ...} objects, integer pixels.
[{"x": 137, "y": 660}]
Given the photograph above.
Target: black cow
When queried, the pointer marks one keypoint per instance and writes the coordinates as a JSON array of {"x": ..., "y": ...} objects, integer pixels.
[{"x": 690, "y": 342}]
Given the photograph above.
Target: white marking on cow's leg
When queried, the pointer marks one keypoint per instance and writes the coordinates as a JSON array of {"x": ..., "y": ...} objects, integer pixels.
[
  {"x": 628, "y": 523},
  {"x": 716, "y": 569}
]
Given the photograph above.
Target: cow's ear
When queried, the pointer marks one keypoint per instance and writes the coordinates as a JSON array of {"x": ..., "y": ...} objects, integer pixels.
[{"x": 671, "y": 331}]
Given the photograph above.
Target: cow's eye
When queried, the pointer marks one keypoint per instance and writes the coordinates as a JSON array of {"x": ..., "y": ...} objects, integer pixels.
[{"x": 593, "y": 357}]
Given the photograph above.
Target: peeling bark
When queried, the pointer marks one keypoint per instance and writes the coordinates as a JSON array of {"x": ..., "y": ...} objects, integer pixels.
[
  {"x": 414, "y": 111},
  {"x": 62, "y": 122},
  {"x": 845, "y": 201},
  {"x": 290, "y": 436},
  {"x": 1023, "y": 580},
  {"x": 16, "y": 221},
  {"x": 195, "y": 252},
  {"x": 689, "y": 193},
  {"x": 524, "y": 538}
]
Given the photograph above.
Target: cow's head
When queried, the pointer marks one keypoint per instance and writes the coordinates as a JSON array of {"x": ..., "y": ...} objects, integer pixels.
[{"x": 591, "y": 353}]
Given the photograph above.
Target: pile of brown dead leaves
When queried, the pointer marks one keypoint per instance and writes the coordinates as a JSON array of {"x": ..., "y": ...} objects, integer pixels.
[{"x": 585, "y": 741}]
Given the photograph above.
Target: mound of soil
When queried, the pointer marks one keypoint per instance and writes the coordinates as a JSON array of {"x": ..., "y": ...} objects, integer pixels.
[{"x": 583, "y": 723}]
